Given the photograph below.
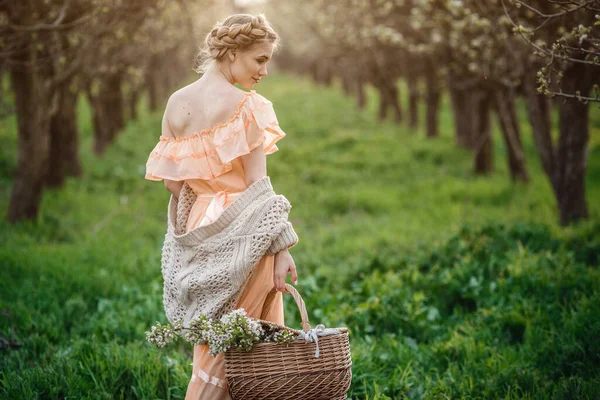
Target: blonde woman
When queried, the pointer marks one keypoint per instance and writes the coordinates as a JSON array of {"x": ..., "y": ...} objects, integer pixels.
[{"x": 215, "y": 137}]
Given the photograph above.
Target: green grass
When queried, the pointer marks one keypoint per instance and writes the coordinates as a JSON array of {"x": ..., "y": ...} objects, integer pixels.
[{"x": 453, "y": 285}]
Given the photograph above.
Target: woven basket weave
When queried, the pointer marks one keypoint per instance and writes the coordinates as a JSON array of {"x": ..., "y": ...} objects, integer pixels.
[{"x": 273, "y": 371}]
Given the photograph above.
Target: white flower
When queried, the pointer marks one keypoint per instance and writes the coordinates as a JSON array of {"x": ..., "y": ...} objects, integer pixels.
[{"x": 456, "y": 4}]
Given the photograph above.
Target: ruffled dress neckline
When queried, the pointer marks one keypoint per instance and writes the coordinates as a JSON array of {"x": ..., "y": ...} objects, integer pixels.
[
  {"x": 213, "y": 127},
  {"x": 209, "y": 153}
]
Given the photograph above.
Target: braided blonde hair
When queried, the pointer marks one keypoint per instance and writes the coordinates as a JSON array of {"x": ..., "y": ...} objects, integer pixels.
[{"x": 237, "y": 32}]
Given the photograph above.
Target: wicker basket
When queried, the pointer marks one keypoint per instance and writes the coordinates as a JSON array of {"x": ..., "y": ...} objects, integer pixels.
[{"x": 277, "y": 371}]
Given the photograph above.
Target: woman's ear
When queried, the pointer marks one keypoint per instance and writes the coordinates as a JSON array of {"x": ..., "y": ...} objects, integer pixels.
[{"x": 232, "y": 56}]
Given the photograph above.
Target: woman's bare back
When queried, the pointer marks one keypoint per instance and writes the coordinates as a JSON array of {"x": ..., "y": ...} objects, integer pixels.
[{"x": 200, "y": 105}]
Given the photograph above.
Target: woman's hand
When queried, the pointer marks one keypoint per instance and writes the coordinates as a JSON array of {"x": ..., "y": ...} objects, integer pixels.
[{"x": 284, "y": 263}]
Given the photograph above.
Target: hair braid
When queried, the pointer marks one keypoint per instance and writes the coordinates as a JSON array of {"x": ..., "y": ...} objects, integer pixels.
[{"x": 237, "y": 32}]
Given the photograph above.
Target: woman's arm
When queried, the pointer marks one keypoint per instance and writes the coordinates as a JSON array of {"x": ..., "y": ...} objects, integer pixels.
[
  {"x": 174, "y": 187},
  {"x": 255, "y": 165},
  {"x": 255, "y": 168}
]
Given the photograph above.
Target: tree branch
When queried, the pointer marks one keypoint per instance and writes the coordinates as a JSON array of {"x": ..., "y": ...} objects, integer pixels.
[
  {"x": 560, "y": 14},
  {"x": 56, "y": 25}
]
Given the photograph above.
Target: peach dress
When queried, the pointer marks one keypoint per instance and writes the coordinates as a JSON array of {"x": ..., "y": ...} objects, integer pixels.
[{"x": 209, "y": 160}]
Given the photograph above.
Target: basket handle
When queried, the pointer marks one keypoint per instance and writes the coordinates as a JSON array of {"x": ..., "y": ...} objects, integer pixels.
[{"x": 299, "y": 302}]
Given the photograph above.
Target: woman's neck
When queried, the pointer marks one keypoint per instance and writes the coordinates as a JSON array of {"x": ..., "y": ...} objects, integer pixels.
[{"x": 218, "y": 72}]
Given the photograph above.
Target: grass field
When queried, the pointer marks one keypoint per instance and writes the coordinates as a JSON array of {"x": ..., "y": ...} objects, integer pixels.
[{"x": 454, "y": 286}]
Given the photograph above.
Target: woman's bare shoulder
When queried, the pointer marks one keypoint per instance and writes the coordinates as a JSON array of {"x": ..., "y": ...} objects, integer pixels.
[{"x": 194, "y": 107}]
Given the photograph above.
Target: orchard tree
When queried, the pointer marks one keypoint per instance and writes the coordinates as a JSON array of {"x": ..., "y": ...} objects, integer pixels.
[
  {"x": 34, "y": 51},
  {"x": 564, "y": 42},
  {"x": 53, "y": 51}
]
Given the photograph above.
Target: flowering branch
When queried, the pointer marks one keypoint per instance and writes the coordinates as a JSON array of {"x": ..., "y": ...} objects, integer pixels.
[
  {"x": 568, "y": 47},
  {"x": 233, "y": 330}
]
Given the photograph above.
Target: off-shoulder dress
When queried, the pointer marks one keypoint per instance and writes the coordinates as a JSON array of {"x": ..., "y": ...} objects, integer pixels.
[{"x": 209, "y": 161}]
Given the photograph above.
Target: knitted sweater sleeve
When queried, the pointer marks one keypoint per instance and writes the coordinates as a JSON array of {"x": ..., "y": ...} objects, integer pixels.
[{"x": 286, "y": 239}]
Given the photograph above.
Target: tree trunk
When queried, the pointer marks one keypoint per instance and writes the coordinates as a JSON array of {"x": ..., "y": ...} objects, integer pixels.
[
  {"x": 112, "y": 95},
  {"x": 393, "y": 93},
  {"x": 383, "y": 101},
  {"x": 462, "y": 118},
  {"x": 361, "y": 95},
  {"x": 413, "y": 103},
  {"x": 151, "y": 84},
  {"x": 64, "y": 135},
  {"x": 101, "y": 126},
  {"x": 134, "y": 97},
  {"x": 326, "y": 74},
  {"x": 33, "y": 105},
  {"x": 322, "y": 74},
  {"x": 433, "y": 102},
  {"x": 504, "y": 101},
  {"x": 572, "y": 145},
  {"x": 483, "y": 149},
  {"x": 432, "y": 99},
  {"x": 538, "y": 109},
  {"x": 6, "y": 108},
  {"x": 108, "y": 109},
  {"x": 346, "y": 84},
  {"x": 167, "y": 79}
]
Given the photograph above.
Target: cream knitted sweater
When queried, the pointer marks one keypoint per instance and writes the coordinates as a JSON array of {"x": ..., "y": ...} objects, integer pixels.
[{"x": 206, "y": 269}]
